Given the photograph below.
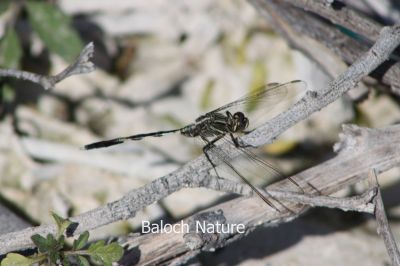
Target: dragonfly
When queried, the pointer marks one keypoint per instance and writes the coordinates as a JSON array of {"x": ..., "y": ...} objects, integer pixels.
[{"x": 226, "y": 123}]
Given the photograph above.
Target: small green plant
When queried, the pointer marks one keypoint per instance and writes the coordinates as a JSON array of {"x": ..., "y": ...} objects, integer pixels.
[{"x": 52, "y": 250}]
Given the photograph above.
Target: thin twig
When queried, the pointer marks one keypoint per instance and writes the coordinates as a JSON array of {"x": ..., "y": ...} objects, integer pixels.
[
  {"x": 82, "y": 65},
  {"x": 382, "y": 222},
  {"x": 359, "y": 203}
]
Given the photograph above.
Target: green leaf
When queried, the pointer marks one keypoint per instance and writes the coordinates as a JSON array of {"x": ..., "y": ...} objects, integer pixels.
[
  {"x": 14, "y": 259},
  {"x": 54, "y": 256},
  {"x": 4, "y": 4},
  {"x": 54, "y": 246},
  {"x": 53, "y": 249},
  {"x": 53, "y": 27},
  {"x": 82, "y": 261},
  {"x": 61, "y": 242},
  {"x": 81, "y": 241},
  {"x": 49, "y": 246},
  {"x": 96, "y": 245},
  {"x": 10, "y": 50},
  {"x": 50, "y": 239},
  {"x": 62, "y": 224},
  {"x": 41, "y": 243},
  {"x": 107, "y": 254},
  {"x": 65, "y": 262}
]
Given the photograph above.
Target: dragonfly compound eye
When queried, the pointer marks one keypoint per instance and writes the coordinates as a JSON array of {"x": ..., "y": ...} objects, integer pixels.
[
  {"x": 246, "y": 122},
  {"x": 241, "y": 121},
  {"x": 238, "y": 116}
]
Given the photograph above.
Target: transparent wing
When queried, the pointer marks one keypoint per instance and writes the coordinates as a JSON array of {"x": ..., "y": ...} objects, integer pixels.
[
  {"x": 268, "y": 167},
  {"x": 269, "y": 94}
]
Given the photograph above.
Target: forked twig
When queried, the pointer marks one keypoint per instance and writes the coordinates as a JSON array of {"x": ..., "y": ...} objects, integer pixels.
[{"x": 82, "y": 65}]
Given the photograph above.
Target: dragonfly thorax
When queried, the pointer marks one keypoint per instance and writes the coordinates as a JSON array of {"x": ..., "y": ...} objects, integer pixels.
[{"x": 216, "y": 124}]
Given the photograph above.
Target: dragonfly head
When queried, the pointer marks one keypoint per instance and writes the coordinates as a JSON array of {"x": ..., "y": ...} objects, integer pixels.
[{"x": 239, "y": 122}]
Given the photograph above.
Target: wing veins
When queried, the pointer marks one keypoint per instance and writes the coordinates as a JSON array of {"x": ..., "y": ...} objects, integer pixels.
[{"x": 272, "y": 93}]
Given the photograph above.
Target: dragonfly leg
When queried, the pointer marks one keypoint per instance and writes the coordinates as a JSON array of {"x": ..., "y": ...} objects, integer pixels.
[
  {"x": 236, "y": 142},
  {"x": 207, "y": 147}
]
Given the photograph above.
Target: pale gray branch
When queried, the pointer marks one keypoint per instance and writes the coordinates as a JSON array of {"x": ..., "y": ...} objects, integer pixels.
[{"x": 82, "y": 65}]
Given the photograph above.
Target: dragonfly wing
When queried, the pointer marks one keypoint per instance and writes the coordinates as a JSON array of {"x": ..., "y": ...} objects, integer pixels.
[
  {"x": 268, "y": 167},
  {"x": 269, "y": 94}
]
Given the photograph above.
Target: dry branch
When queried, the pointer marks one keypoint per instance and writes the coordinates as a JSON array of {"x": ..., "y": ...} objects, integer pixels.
[
  {"x": 340, "y": 14},
  {"x": 359, "y": 149},
  {"x": 195, "y": 173},
  {"x": 295, "y": 24},
  {"x": 82, "y": 65}
]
